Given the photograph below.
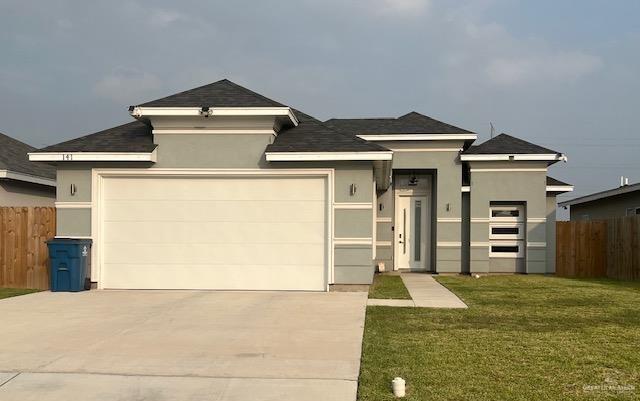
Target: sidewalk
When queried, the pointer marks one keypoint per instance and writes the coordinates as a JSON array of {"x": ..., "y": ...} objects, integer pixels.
[{"x": 425, "y": 292}]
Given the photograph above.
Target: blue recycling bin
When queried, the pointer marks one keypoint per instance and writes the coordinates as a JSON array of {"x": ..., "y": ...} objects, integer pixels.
[{"x": 69, "y": 264}]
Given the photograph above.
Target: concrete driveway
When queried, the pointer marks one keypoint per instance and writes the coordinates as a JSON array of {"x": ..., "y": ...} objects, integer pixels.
[{"x": 181, "y": 345}]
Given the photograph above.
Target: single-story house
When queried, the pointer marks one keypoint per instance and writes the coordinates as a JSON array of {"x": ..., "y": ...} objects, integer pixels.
[
  {"x": 23, "y": 183},
  {"x": 617, "y": 202},
  {"x": 219, "y": 187}
]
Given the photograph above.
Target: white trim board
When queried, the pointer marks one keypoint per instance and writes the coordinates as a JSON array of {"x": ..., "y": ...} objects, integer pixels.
[
  {"x": 449, "y": 244},
  {"x": 424, "y": 149},
  {"x": 515, "y": 157},
  {"x": 13, "y": 175},
  {"x": 353, "y": 241},
  {"x": 383, "y": 243},
  {"x": 352, "y": 205},
  {"x": 465, "y": 188},
  {"x": 94, "y": 156},
  {"x": 449, "y": 220},
  {"x": 326, "y": 156},
  {"x": 384, "y": 220},
  {"x": 142, "y": 111},
  {"x": 98, "y": 176},
  {"x": 212, "y": 131},
  {"x": 73, "y": 205},
  {"x": 559, "y": 188},
  {"x": 505, "y": 170},
  {"x": 418, "y": 137}
]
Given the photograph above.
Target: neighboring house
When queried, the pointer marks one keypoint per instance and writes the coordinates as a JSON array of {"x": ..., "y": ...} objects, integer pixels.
[
  {"x": 23, "y": 183},
  {"x": 618, "y": 202},
  {"x": 219, "y": 187}
]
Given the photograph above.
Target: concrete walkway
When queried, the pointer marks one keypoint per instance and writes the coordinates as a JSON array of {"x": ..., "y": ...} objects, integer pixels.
[{"x": 425, "y": 292}]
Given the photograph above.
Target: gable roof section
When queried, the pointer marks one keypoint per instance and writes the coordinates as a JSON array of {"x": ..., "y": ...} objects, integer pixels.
[
  {"x": 133, "y": 137},
  {"x": 602, "y": 195},
  {"x": 311, "y": 135},
  {"x": 13, "y": 158},
  {"x": 223, "y": 93},
  {"x": 554, "y": 182},
  {"x": 557, "y": 186},
  {"x": 507, "y": 144},
  {"x": 410, "y": 123}
]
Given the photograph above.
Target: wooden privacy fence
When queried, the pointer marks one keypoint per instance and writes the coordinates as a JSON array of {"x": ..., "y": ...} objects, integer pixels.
[
  {"x": 24, "y": 258},
  {"x": 599, "y": 248}
]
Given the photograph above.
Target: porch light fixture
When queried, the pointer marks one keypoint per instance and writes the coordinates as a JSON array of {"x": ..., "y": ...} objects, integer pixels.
[
  {"x": 353, "y": 188},
  {"x": 72, "y": 189},
  {"x": 413, "y": 181},
  {"x": 204, "y": 111}
]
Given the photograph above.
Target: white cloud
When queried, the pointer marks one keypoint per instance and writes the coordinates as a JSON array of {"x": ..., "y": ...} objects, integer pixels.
[
  {"x": 127, "y": 87},
  {"x": 555, "y": 67},
  {"x": 399, "y": 7},
  {"x": 161, "y": 18}
]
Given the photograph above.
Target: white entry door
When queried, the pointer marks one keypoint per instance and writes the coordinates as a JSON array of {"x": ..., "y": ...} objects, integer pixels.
[
  {"x": 411, "y": 232},
  {"x": 200, "y": 232}
]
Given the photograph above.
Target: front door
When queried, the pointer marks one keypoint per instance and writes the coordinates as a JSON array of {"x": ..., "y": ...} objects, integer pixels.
[{"x": 411, "y": 232}]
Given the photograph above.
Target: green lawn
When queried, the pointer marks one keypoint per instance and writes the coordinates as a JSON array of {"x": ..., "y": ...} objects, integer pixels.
[
  {"x": 14, "y": 292},
  {"x": 523, "y": 338},
  {"x": 388, "y": 287}
]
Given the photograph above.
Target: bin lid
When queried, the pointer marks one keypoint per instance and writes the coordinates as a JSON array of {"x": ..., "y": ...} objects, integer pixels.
[{"x": 70, "y": 241}]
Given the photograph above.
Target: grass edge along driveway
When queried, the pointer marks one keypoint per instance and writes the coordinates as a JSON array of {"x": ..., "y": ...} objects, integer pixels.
[
  {"x": 386, "y": 286},
  {"x": 522, "y": 338},
  {"x": 14, "y": 292}
]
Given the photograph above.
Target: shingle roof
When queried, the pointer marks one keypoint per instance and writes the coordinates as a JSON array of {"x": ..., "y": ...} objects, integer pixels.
[
  {"x": 553, "y": 181},
  {"x": 131, "y": 137},
  {"x": 223, "y": 93},
  {"x": 13, "y": 157},
  {"x": 311, "y": 135},
  {"x": 602, "y": 195},
  {"x": 507, "y": 144},
  {"x": 410, "y": 123}
]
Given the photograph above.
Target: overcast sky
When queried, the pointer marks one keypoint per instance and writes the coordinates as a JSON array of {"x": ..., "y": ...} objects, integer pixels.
[{"x": 563, "y": 74}]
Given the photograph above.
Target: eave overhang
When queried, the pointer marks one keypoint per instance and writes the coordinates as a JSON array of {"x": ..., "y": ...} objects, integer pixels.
[
  {"x": 550, "y": 157},
  {"x": 141, "y": 112},
  {"x": 93, "y": 156},
  {"x": 417, "y": 137},
  {"x": 327, "y": 156},
  {"x": 14, "y": 175}
]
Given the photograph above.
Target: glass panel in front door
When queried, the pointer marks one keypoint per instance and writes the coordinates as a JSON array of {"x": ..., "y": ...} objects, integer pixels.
[{"x": 417, "y": 223}]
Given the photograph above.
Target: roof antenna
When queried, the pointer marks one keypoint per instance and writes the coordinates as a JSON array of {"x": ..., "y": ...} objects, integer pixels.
[{"x": 493, "y": 129}]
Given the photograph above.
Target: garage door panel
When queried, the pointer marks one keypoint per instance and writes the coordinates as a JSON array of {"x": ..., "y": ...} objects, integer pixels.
[
  {"x": 253, "y": 277},
  {"x": 213, "y": 232},
  {"x": 216, "y": 254},
  {"x": 217, "y": 210},
  {"x": 255, "y": 233},
  {"x": 181, "y": 188}
]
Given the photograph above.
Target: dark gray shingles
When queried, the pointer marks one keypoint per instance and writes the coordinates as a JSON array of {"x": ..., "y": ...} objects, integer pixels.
[
  {"x": 13, "y": 157},
  {"x": 553, "y": 181},
  {"x": 135, "y": 136},
  {"x": 312, "y": 135},
  {"x": 410, "y": 123},
  {"x": 223, "y": 93},
  {"x": 507, "y": 144}
]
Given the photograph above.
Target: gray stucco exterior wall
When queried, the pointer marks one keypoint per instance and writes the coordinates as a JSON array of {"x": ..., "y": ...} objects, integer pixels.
[
  {"x": 353, "y": 263},
  {"x": 446, "y": 196},
  {"x": 551, "y": 233},
  {"x": 18, "y": 193},
  {"x": 502, "y": 182},
  {"x": 606, "y": 208}
]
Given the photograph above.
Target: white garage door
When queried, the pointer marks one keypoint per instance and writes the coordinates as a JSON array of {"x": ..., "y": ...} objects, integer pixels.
[{"x": 239, "y": 233}]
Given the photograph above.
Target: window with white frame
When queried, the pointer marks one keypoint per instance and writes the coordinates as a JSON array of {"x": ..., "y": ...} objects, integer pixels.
[
  {"x": 632, "y": 211},
  {"x": 506, "y": 231}
]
